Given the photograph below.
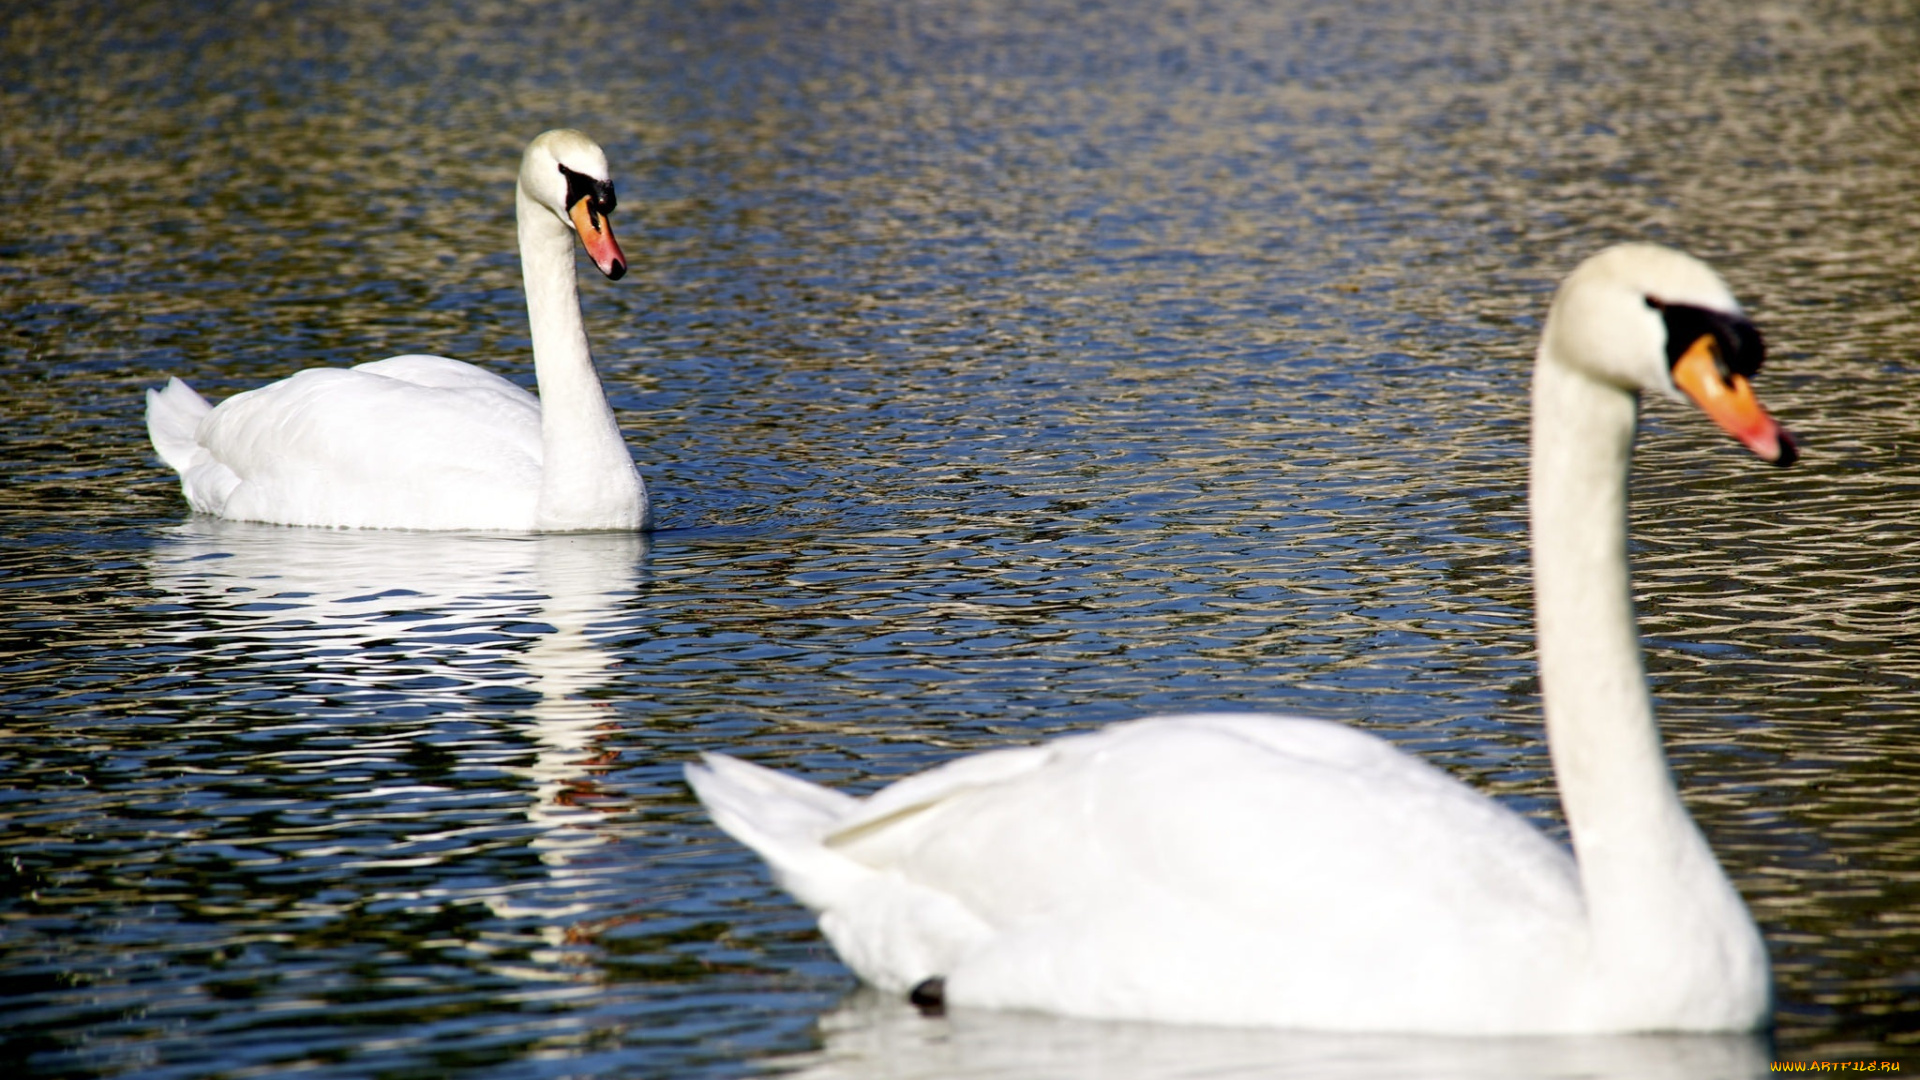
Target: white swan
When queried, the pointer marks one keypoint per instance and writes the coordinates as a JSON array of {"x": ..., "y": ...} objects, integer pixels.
[
  {"x": 424, "y": 442},
  {"x": 1274, "y": 871}
]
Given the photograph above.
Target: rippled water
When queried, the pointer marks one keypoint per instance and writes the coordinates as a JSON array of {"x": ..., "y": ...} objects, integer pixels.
[{"x": 999, "y": 371}]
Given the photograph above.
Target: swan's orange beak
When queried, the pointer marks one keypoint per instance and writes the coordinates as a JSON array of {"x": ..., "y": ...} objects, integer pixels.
[
  {"x": 596, "y": 232},
  {"x": 1728, "y": 398}
]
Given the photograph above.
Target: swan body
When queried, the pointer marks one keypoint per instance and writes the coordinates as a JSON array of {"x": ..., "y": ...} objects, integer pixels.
[
  {"x": 1266, "y": 870},
  {"x": 426, "y": 442}
]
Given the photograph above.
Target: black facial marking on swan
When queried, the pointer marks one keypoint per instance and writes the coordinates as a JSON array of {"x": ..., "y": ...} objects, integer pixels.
[
  {"x": 599, "y": 194},
  {"x": 1741, "y": 348}
]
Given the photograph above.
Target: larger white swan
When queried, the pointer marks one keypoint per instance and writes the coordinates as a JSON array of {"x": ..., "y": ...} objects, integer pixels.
[
  {"x": 1268, "y": 870},
  {"x": 424, "y": 442}
]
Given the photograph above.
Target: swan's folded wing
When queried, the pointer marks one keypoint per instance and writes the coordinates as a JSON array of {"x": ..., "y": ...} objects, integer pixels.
[
  {"x": 443, "y": 373},
  {"x": 351, "y": 447},
  {"x": 1252, "y": 817},
  {"x": 892, "y": 806}
]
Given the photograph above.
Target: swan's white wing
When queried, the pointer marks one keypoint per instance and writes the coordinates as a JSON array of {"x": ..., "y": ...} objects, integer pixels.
[
  {"x": 356, "y": 447},
  {"x": 445, "y": 373},
  {"x": 1224, "y": 869},
  {"x": 1243, "y": 797}
]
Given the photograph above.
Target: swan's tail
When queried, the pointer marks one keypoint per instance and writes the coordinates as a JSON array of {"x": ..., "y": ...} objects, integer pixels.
[
  {"x": 892, "y": 931},
  {"x": 782, "y": 819},
  {"x": 173, "y": 423}
]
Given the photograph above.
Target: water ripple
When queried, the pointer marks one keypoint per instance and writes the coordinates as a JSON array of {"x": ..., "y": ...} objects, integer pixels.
[{"x": 998, "y": 372}]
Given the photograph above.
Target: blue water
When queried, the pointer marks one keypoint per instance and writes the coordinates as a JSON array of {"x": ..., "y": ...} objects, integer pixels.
[{"x": 997, "y": 373}]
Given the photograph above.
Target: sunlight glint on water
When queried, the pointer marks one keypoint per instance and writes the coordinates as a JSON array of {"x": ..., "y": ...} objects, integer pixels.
[{"x": 998, "y": 372}]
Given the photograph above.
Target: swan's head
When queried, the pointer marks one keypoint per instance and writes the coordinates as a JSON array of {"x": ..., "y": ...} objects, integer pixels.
[
  {"x": 566, "y": 172},
  {"x": 1645, "y": 317}
]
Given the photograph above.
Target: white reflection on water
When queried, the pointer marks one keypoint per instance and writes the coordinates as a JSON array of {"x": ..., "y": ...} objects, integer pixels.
[
  {"x": 874, "y": 1036},
  {"x": 448, "y": 613}
]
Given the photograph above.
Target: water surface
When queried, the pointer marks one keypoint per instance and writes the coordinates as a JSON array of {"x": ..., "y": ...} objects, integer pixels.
[{"x": 998, "y": 372}]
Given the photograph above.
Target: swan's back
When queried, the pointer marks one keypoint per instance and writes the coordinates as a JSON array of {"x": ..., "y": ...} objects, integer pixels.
[
  {"x": 420, "y": 442},
  {"x": 1109, "y": 874}
]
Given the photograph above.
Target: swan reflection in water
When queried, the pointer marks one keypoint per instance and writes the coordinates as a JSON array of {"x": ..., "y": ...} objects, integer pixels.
[
  {"x": 872, "y": 1035},
  {"x": 401, "y": 621}
]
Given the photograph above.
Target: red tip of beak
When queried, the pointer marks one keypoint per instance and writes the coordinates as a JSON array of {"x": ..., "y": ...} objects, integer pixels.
[{"x": 607, "y": 256}]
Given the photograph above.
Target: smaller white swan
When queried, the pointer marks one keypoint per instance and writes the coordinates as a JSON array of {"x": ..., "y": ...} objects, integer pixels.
[
  {"x": 424, "y": 442},
  {"x": 1273, "y": 871}
]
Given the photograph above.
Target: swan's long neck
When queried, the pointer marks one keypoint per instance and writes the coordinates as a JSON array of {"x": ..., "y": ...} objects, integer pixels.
[
  {"x": 1665, "y": 920},
  {"x": 587, "y": 475}
]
